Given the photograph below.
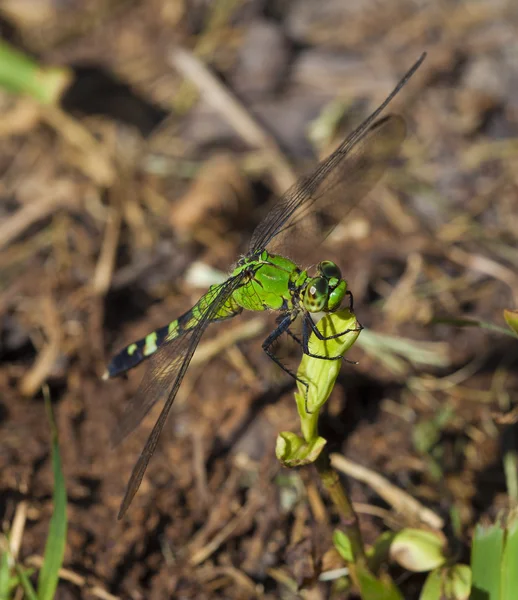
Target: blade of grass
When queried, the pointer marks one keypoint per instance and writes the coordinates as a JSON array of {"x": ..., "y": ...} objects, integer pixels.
[
  {"x": 510, "y": 559},
  {"x": 56, "y": 540},
  {"x": 467, "y": 322},
  {"x": 396, "y": 352},
  {"x": 486, "y": 559},
  {"x": 20, "y": 74},
  {"x": 374, "y": 588},
  {"x": 4, "y": 575},
  {"x": 25, "y": 583},
  {"x": 511, "y": 318}
]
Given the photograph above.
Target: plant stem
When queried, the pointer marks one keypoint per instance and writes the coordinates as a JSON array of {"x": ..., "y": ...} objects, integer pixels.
[{"x": 331, "y": 481}]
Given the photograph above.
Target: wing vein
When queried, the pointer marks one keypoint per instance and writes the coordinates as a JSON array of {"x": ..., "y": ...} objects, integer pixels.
[{"x": 174, "y": 358}]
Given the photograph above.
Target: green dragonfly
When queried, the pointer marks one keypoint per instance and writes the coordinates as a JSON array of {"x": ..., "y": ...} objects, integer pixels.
[{"x": 264, "y": 279}]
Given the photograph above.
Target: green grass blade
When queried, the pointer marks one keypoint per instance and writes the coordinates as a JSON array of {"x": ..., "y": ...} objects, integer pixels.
[
  {"x": 486, "y": 560},
  {"x": 20, "y": 74},
  {"x": 56, "y": 540},
  {"x": 510, "y": 560},
  {"x": 397, "y": 352},
  {"x": 511, "y": 318},
  {"x": 448, "y": 583},
  {"x": 4, "y": 575},
  {"x": 30, "y": 594},
  {"x": 374, "y": 588},
  {"x": 342, "y": 543},
  {"x": 432, "y": 589},
  {"x": 494, "y": 560},
  {"x": 468, "y": 322}
]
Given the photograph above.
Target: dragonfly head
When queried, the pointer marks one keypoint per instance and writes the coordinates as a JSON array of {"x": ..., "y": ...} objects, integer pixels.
[{"x": 326, "y": 291}]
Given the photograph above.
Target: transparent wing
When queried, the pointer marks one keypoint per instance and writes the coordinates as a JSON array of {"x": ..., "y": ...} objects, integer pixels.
[
  {"x": 163, "y": 377},
  {"x": 163, "y": 365},
  {"x": 337, "y": 184}
]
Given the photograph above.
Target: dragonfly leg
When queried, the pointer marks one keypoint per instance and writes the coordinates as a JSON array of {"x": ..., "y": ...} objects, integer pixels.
[
  {"x": 323, "y": 337},
  {"x": 351, "y": 300},
  {"x": 304, "y": 345},
  {"x": 283, "y": 326},
  {"x": 295, "y": 337},
  {"x": 308, "y": 324}
]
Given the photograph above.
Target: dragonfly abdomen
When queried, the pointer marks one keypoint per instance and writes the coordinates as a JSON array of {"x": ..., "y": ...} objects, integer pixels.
[{"x": 136, "y": 352}]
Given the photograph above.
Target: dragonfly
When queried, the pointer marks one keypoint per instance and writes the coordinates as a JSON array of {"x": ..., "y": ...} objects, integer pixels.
[{"x": 265, "y": 279}]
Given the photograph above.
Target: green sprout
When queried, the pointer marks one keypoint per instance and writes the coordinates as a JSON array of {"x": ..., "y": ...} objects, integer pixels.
[
  {"x": 320, "y": 376},
  {"x": 21, "y": 74}
]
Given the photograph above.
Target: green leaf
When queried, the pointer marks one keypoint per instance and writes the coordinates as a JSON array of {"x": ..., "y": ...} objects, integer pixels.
[
  {"x": 432, "y": 589},
  {"x": 293, "y": 451},
  {"x": 343, "y": 545},
  {"x": 379, "y": 552},
  {"x": 511, "y": 318},
  {"x": 447, "y": 583},
  {"x": 396, "y": 352},
  {"x": 56, "y": 540},
  {"x": 418, "y": 549},
  {"x": 426, "y": 434},
  {"x": 457, "y": 583},
  {"x": 20, "y": 74},
  {"x": 510, "y": 559},
  {"x": 25, "y": 583},
  {"x": 4, "y": 576},
  {"x": 486, "y": 558},
  {"x": 494, "y": 559},
  {"x": 372, "y": 588},
  {"x": 14, "y": 581},
  {"x": 467, "y": 322}
]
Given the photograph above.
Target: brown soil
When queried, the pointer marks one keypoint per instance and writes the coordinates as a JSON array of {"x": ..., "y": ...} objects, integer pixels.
[{"x": 106, "y": 204}]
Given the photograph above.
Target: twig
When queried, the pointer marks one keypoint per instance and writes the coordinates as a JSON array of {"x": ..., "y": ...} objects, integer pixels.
[
  {"x": 240, "y": 578},
  {"x": 93, "y": 159},
  {"x": 74, "y": 578},
  {"x": 399, "y": 499},
  {"x": 62, "y": 194},
  {"x": 221, "y": 99},
  {"x": 331, "y": 481},
  {"x": 485, "y": 265},
  {"x": 50, "y": 352},
  {"x": 105, "y": 265},
  {"x": 15, "y": 539},
  {"x": 242, "y": 517}
]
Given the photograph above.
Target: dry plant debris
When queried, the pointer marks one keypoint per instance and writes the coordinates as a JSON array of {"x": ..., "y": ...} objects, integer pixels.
[{"x": 104, "y": 207}]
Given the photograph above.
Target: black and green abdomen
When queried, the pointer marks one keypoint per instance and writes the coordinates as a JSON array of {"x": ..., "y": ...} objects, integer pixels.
[
  {"x": 138, "y": 351},
  {"x": 274, "y": 283}
]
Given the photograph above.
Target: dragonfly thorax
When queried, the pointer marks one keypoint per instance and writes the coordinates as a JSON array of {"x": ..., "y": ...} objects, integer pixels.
[{"x": 326, "y": 291}]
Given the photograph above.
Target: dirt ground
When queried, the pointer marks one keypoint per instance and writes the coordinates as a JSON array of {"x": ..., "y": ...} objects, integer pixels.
[{"x": 118, "y": 210}]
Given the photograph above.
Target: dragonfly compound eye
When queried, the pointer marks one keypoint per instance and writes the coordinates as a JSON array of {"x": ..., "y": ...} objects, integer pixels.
[
  {"x": 317, "y": 292},
  {"x": 336, "y": 296},
  {"x": 330, "y": 271}
]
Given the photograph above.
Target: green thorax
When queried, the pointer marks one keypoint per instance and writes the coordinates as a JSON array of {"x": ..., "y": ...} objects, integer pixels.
[
  {"x": 277, "y": 283},
  {"x": 272, "y": 284}
]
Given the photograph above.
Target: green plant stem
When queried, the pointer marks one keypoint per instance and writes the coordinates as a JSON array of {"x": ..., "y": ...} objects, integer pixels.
[
  {"x": 308, "y": 421},
  {"x": 331, "y": 481}
]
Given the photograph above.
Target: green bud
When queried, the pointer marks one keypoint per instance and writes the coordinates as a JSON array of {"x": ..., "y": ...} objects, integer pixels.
[{"x": 418, "y": 550}]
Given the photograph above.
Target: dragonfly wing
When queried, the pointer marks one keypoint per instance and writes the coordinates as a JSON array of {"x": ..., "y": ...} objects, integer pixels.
[
  {"x": 338, "y": 183},
  {"x": 163, "y": 377},
  {"x": 160, "y": 372}
]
